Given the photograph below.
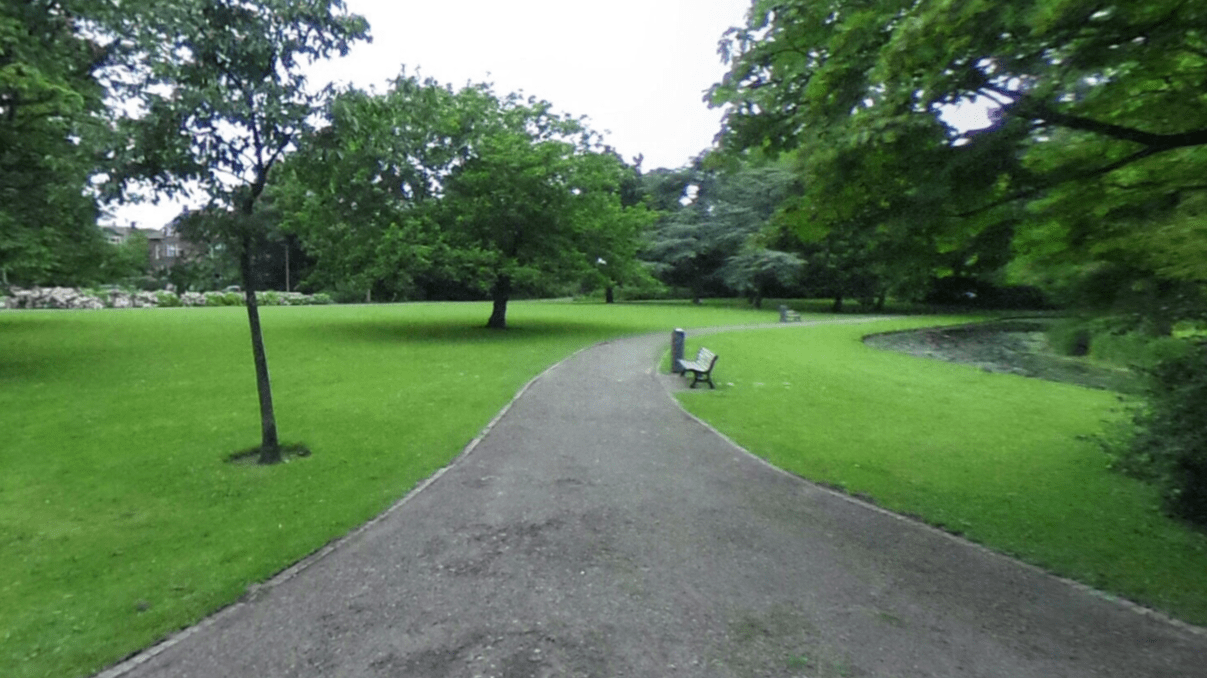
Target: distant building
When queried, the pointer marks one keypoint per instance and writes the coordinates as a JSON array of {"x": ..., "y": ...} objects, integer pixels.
[
  {"x": 167, "y": 248},
  {"x": 117, "y": 235}
]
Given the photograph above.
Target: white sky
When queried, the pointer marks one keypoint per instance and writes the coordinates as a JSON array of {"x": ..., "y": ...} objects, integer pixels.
[{"x": 638, "y": 69}]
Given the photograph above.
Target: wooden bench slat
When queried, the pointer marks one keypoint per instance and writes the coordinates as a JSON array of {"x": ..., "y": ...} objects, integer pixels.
[{"x": 701, "y": 368}]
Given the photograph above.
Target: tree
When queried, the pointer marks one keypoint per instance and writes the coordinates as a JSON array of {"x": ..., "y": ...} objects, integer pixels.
[
  {"x": 220, "y": 99},
  {"x": 497, "y": 193},
  {"x": 615, "y": 247},
  {"x": 127, "y": 261},
  {"x": 361, "y": 192},
  {"x": 710, "y": 214},
  {"x": 755, "y": 270},
  {"x": 1096, "y": 106},
  {"x": 534, "y": 197},
  {"x": 50, "y": 108}
]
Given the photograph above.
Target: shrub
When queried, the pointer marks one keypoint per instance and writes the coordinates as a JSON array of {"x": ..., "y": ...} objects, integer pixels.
[
  {"x": 347, "y": 295},
  {"x": 320, "y": 298},
  {"x": 1167, "y": 443},
  {"x": 167, "y": 298},
  {"x": 216, "y": 299},
  {"x": 1069, "y": 337},
  {"x": 270, "y": 298}
]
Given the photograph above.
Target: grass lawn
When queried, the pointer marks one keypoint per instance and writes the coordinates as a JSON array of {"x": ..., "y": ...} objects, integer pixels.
[
  {"x": 119, "y": 520},
  {"x": 993, "y": 457}
]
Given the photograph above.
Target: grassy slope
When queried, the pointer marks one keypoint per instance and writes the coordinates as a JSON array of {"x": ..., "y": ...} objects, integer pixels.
[
  {"x": 994, "y": 457},
  {"x": 114, "y": 497}
]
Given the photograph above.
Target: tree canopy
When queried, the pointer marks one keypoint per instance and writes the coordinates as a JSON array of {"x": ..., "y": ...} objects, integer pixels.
[
  {"x": 218, "y": 97},
  {"x": 50, "y": 112},
  {"x": 498, "y": 193},
  {"x": 1095, "y": 156}
]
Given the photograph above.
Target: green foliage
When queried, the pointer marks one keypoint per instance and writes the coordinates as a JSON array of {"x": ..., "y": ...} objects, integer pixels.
[
  {"x": 126, "y": 262},
  {"x": 709, "y": 216},
  {"x": 755, "y": 270},
  {"x": 1095, "y": 156},
  {"x": 50, "y": 117},
  {"x": 167, "y": 298},
  {"x": 223, "y": 299},
  {"x": 1122, "y": 341},
  {"x": 1070, "y": 337},
  {"x": 1166, "y": 443},
  {"x": 219, "y": 96},
  {"x": 424, "y": 187}
]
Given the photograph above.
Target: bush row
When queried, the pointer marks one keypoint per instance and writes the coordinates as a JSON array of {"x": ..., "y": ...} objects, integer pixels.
[{"x": 72, "y": 298}]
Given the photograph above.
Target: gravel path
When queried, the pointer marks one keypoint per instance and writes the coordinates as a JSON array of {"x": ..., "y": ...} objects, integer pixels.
[{"x": 597, "y": 529}]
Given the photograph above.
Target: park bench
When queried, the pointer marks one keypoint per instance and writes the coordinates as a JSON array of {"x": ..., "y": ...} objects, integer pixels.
[
  {"x": 787, "y": 314},
  {"x": 701, "y": 368}
]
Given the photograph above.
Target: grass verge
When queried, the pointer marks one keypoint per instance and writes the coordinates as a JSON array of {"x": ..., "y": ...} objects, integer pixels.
[
  {"x": 996, "y": 458},
  {"x": 120, "y": 518}
]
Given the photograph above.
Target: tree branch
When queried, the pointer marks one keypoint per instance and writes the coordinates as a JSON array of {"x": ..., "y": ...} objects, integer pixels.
[
  {"x": 1033, "y": 191},
  {"x": 1159, "y": 142}
]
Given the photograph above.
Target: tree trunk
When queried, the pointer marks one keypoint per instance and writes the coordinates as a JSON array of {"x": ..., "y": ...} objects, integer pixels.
[
  {"x": 837, "y": 306},
  {"x": 758, "y": 300},
  {"x": 880, "y": 299},
  {"x": 500, "y": 293},
  {"x": 270, "y": 446},
  {"x": 609, "y": 296}
]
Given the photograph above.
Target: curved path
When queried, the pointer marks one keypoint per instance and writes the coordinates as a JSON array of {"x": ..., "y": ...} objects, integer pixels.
[{"x": 597, "y": 529}]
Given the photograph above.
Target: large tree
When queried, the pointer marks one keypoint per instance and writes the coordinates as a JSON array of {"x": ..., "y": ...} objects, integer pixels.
[
  {"x": 425, "y": 182},
  {"x": 1097, "y": 149},
  {"x": 51, "y": 107},
  {"x": 709, "y": 216},
  {"x": 535, "y": 198},
  {"x": 219, "y": 97},
  {"x": 361, "y": 192}
]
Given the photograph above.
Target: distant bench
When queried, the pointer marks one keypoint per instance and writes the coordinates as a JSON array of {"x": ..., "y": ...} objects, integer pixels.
[
  {"x": 701, "y": 368},
  {"x": 787, "y": 314}
]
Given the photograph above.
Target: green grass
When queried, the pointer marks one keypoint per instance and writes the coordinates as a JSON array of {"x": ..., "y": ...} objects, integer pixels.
[
  {"x": 996, "y": 458},
  {"x": 119, "y": 520}
]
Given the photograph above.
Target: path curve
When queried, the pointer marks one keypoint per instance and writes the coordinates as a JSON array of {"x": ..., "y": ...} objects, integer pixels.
[{"x": 598, "y": 529}]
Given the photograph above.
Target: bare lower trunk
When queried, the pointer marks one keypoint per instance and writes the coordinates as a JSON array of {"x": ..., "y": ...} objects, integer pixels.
[
  {"x": 499, "y": 294},
  {"x": 837, "y": 306},
  {"x": 609, "y": 295},
  {"x": 270, "y": 446}
]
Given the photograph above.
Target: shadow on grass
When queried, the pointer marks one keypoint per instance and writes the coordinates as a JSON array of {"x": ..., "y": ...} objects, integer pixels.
[
  {"x": 288, "y": 451},
  {"x": 460, "y": 332}
]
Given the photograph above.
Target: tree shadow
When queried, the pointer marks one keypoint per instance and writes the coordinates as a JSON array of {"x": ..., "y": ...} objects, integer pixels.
[{"x": 410, "y": 331}]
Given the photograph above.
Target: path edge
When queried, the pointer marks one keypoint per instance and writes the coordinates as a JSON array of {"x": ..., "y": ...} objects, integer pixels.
[
  {"x": 1097, "y": 593},
  {"x": 257, "y": 589}
]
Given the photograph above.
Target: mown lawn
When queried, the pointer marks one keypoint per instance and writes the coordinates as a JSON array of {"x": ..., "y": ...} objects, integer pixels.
[
  {"x": 996, "y": 458},
  {"x": 119, "y": 519}
]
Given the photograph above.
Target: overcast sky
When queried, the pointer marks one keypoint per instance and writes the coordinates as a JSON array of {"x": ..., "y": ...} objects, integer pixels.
[{"x": 638, "y": 69}]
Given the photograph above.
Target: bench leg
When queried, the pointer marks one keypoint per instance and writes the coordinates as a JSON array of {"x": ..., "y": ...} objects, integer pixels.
[{"x": 698, "y": 377}]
